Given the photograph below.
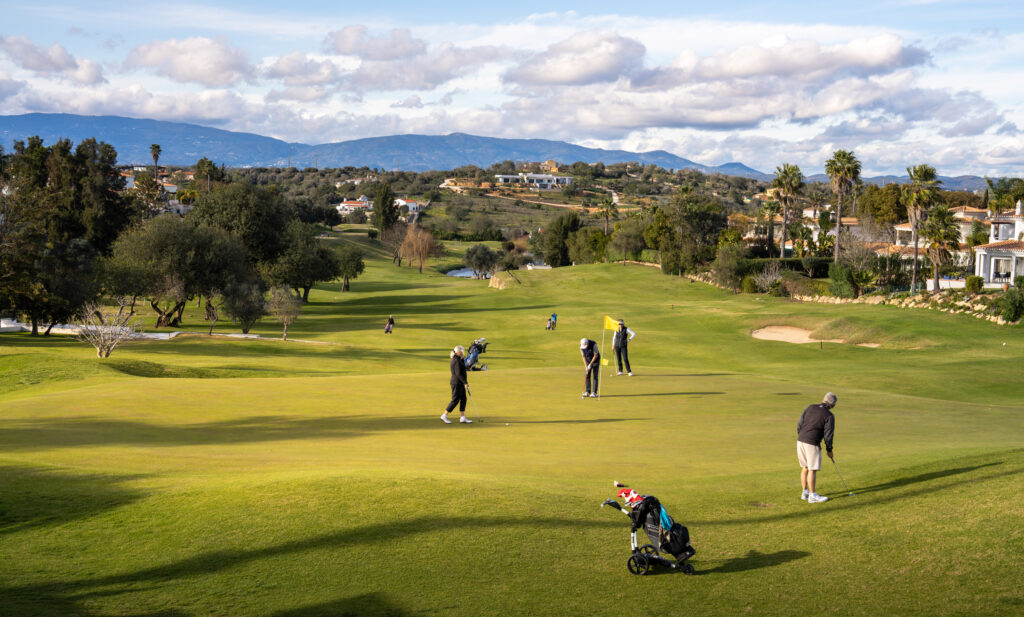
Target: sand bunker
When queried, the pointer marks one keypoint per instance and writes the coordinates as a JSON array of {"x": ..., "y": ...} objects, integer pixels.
[{"x": 790, "y": 334}]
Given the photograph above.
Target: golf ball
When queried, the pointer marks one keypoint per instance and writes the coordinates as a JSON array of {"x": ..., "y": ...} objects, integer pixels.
[{"x": 506, "y": 424}]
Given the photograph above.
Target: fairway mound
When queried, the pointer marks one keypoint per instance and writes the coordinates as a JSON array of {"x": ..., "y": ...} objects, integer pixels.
[{"x": 799, "y": 336}]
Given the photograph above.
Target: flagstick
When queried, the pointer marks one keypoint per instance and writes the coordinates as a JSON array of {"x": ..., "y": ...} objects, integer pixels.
[{"x": 600, "y": 381}]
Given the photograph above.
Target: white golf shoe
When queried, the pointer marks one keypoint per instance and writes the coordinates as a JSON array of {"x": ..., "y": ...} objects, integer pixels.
[
  {"x": 465, "y": 420},
  {"x": 804, "y": 494},
  {"x": 444, "y": 418},
  {"x": 816, "y": 498}
]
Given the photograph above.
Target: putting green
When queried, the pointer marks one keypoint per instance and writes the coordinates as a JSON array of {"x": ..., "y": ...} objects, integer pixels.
[{"x": 207, "y": 476}]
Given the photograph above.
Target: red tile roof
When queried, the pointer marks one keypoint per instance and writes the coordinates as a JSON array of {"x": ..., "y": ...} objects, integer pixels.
[{"x": 1008, "y": 245}]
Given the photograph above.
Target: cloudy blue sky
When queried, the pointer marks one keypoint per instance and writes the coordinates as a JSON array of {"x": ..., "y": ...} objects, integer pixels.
[{"x": 899, "y": 83}]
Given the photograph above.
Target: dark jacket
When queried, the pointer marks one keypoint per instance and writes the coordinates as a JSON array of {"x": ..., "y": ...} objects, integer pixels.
[
  {"x": 622, "y": 337},
  {"x": 816, "y": 423},
  {"x": 590, "y": 351},
  {"x": 458, "y": 371}
]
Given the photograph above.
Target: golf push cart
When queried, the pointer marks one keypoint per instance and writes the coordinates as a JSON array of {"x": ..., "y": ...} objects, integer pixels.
[
  {"x": 666, "y": 536},
  {"x": 478, "y": 347}
]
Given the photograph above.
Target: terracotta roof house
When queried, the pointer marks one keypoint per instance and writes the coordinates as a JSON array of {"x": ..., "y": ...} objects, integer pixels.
[{"x": 1002, "y": 258}]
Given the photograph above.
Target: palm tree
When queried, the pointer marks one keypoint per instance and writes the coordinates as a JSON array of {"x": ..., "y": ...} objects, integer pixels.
[
  {"x": 843, "y": 169},
  {"x": 802, "y": 238},
  {"x": 770, "y": 208},
  {"x": 789, "y": 182},
  {"x": 920, "y": 195},
  {"x": 606, "y": 208},
  {"x": 154, "y": 151},
  {"x": 943, "y": 235}
]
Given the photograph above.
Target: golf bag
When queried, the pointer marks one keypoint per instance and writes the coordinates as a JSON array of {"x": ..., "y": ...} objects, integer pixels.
[
  {"x": 478, "y": 347},
  {"x": 665, "y": 535}
]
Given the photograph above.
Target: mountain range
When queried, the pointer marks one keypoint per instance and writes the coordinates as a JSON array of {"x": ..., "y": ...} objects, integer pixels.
[{"x": 183, "y": 144}]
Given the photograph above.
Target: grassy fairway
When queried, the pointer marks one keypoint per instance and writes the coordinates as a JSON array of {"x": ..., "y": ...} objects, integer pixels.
[{"x": 206, "y": 476}]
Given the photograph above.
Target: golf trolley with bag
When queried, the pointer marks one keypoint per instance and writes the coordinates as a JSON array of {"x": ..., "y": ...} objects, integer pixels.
[
  {"x": 478, "y": 347},
  {"x": 666, "y": 536}
]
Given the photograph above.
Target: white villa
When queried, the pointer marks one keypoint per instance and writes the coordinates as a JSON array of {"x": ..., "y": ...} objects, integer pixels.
[
  {"x": 540, "y": 182},
  {"x": 414, "y": 206},
  {"x": 348, "y": 207},
  {"x": 1002, "y": 258}
]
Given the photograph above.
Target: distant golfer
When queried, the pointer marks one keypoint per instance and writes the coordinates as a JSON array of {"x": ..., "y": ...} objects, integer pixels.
[
  {"x": 554, "y": 320},
  {"x": 591, "y": 366},
  {"x": 817, "y": 423},
  {"x": 620, "y": 343},
  {"x": 459, "y": 383},
  {"x": 389, "y": 325}
]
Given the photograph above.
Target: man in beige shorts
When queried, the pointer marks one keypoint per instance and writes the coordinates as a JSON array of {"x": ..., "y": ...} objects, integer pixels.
[{"x": 817, "y": 423}]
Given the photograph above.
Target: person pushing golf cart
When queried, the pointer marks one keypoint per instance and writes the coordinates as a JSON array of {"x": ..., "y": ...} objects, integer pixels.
[
  {"x": 817, "y": 423},
  {"x": 666, "y": 535}
]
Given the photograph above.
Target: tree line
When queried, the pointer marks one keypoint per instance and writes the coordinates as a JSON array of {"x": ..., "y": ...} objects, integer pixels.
[{"x": 71, "y": 234}]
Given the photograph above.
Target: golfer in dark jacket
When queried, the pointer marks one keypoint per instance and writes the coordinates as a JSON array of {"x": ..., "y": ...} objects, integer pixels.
[
  {"x": 620, "y": 343},
  {"x": 459, "y": 383},
  {"x": 817, "y": 423},
  {"x": 591, "y": 366}
]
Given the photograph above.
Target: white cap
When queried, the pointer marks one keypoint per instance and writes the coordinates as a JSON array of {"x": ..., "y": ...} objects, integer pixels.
[{"x": 583, "y": 343}]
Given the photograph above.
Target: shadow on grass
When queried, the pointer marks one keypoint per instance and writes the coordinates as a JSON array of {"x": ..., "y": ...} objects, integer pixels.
[
  {"x": 589, "y": 421},
  {"x": 923, "y": 477},
  {"x": 32, "y": 497},
  {"x": 71, "y": 432},
  {"x": 755, "y": 560},
  {"x": 659, "y": 394},
  {"x": 688, "y": 375},
  {"x": 62, "y": 597},
  {"x": 365, "y": 605},
  {"x": 853, "y": 502}
]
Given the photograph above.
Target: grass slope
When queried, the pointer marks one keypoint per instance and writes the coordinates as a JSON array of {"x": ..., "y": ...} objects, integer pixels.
[{"x": 207, "y": 476}]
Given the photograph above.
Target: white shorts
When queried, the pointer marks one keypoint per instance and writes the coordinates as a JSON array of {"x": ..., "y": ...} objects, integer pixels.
[{"x": 808, "y": 455}]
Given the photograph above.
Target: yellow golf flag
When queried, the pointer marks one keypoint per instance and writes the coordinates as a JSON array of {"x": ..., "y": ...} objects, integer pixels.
[
  {"x": 604, "y": 361},
  {"x": 610, "y": 324}
]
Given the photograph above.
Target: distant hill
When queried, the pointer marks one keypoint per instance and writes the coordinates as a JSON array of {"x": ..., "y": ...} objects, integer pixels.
[
  {"x": 184, "y": 144},
  {"x": 956, "y": 183}
]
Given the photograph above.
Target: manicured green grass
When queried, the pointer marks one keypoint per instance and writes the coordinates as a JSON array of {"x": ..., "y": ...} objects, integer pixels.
[{"x": 208, "y": 476}]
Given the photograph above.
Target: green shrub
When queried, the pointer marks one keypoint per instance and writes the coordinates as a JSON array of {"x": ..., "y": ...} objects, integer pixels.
[
  {"x": 726, "y": 268},
  {"x": 748, "y": 286},
  {"x": 974, "y": 284},
  {"x": 1012, "y": 304},
  {"x": 371, "y": 233},
  {"x": 1018, "y": 282},
  {"x": 778, "y": 289},
  {"x": 841, "y": 281}
]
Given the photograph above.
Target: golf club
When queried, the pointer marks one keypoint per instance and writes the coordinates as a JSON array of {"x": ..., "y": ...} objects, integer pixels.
[
  {"x": 476, "y": 414},
  {"x": 848, "y": 491}
]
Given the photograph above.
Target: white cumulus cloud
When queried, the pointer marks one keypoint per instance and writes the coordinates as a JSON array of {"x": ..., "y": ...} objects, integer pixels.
[
  {"x": 210, "y": 62},
  {"x": 50, "y": 61},
  {"x": 584, "y": 58},
  {"x": 356, "y": 41}
]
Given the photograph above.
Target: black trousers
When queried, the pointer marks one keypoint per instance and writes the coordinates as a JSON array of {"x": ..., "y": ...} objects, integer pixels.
[
  {"x": 622, "y": 355},
  {"x": 594, "y": 371},
  {"x": 458, "y": 398}
]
